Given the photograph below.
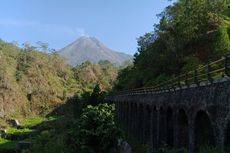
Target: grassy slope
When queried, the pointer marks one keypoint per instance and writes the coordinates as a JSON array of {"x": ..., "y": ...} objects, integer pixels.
[{"x": 14, "y": 135}]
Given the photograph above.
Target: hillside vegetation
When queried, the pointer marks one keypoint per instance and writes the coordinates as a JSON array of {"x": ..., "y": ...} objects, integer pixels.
[
  {"x": 190, "y": 34},
  {"x": 33, "y": 82},
  {"x": 88, "y": 74}
]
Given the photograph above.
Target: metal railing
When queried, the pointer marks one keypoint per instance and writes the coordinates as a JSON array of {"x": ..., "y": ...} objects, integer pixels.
[{"x": 213, "y": 72}]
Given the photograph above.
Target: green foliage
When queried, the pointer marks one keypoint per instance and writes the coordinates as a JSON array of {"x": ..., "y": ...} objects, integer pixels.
[
  {"x": 222, "y": 42},
  {"x": 190, "y": 33},
  {"x": 46, "y": 143},
  {"x": 8, "y": 141},
  {"x": 191, "y": 63},
  {"x": 97, "y": 132},
  {"x": 209, "y": 149},
  {"x": 141, "y": 148},
  {"x": 89, "y": 75},
  {"x": 97, "y": 96},
  {"x": 93, "y": 131},
  {"x": 32, "y": 122},
  {"x": 11, "y": 130},
  {"x": 7, "y": 145},
  {"x": 52, "y": 135},
  {"x": 126, "y": 78},
  {"x": 229, "y": 31}
]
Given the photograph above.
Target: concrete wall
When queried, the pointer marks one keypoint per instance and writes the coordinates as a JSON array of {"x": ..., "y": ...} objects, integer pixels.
[{"x": 185, "y": 118}]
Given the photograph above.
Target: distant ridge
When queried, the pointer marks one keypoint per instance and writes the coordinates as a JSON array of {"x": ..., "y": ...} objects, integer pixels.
[{"x": 91, "y": 49}]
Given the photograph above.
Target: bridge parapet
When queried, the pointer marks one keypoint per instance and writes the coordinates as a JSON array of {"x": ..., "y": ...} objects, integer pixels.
[{"x": 214, "y": 72}]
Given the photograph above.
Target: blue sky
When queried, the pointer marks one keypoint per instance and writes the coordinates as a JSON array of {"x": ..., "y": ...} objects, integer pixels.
[{"x": 117, "y": 23}]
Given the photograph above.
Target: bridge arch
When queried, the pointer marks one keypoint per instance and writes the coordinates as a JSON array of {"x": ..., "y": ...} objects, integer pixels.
[
  {"x": 128, "y": 111},
  {"x": 182, "y": 129},
  {"x": 135, "y": 121},
  {"x": 204, "y": 130},
  {"x": 226, "y": 130},
  {"x": 155, "y": 125},
  {"x": 131, "y": 118},
  {"x": 122, "y": 112},
  {"x": 140, "y": 123},
  {"x": 147, "y": 124},
  {"x": 170, "y": 127},
  {"x": 227, "y": 137},
  {"x": 126, "y": 114},
  {"x": 162, "y": 126}
]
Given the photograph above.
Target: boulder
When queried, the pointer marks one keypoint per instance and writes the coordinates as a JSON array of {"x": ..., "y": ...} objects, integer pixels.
[
  {"x": 14, "y": 123},
  {"x": 124, "y": 147}
]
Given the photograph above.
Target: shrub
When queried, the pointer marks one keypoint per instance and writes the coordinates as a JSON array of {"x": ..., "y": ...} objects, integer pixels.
[
  {"x": 97, "y": 131},
  {"x": 222, "y": 41}
]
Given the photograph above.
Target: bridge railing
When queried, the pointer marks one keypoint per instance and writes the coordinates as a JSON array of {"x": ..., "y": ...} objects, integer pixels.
[{"x": 216, "y": 71}]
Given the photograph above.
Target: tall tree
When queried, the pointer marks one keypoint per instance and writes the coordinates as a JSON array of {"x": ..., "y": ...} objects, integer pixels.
[{"x": 190, "y": 33}]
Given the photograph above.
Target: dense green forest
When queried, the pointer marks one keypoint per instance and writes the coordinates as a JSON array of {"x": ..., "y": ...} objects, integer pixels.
[{"x": 189, "y": 34}]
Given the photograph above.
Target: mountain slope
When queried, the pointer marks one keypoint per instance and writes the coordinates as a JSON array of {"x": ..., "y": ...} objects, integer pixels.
[
  {"x": 91, "y": 49},
  {"x": 33, "y": 82}
]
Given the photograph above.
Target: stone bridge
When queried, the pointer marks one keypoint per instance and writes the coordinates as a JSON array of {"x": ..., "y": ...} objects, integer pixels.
[{"x": 186, "y": 118}]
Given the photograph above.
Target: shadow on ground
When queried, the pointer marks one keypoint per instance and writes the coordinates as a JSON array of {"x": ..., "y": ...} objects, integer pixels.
[{"x": 40, "y": 129}]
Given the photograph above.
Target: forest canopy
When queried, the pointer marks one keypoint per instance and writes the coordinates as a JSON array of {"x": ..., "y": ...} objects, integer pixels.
[{"x": 190, "y": 33}]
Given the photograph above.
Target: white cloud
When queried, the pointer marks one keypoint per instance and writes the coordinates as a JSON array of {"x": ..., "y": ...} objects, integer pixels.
[{"x": 81, "y": 31}]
